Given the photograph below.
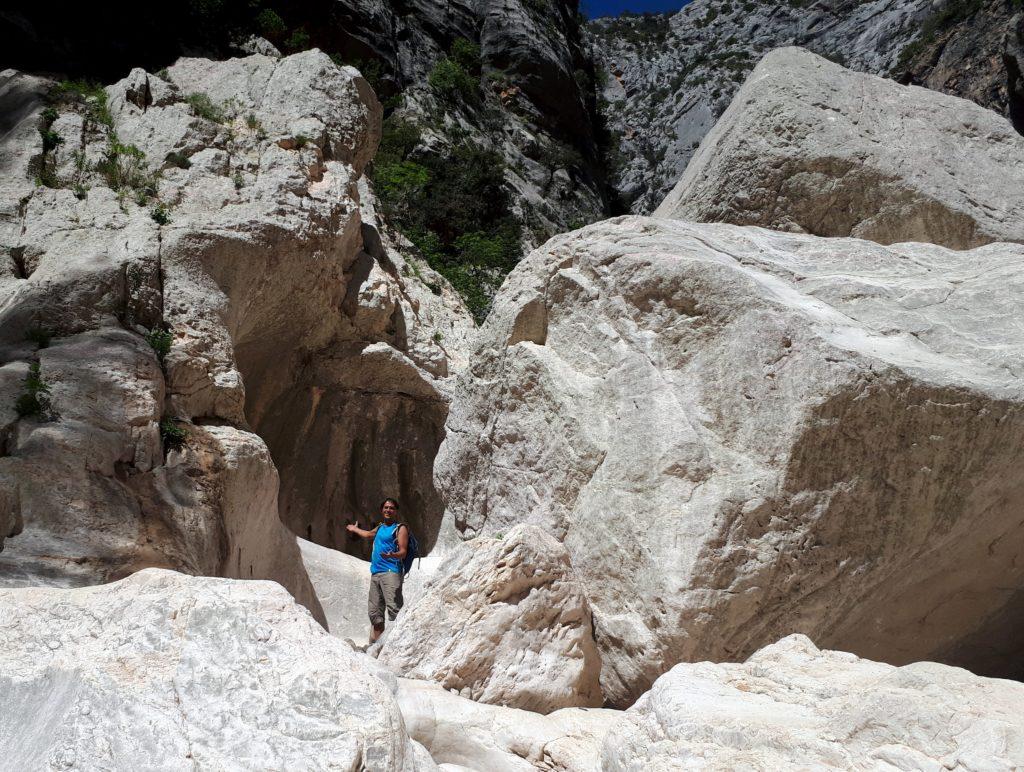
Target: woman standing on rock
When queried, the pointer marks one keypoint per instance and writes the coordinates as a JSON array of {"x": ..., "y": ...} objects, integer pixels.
[{"x": 390, "y": 546}]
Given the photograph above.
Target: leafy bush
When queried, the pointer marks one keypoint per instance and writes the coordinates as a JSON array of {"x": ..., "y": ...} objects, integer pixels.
[
  {"x": 50, "y": 139},
  {"x": 35, "y": 399},
  {"x": 453, "y": 206},
  {"x": 451, "y": 83},
  {"x": 467, "y": 55},
  {"x": 160, "y": 341},
  {"x": 160, "y": 214},
  {"x": 124, "y": 167},
  {"x": 560, "y": 156},
  {"x": 298, "y": 41},
  {"x": 88, "y": 94},
  {"x": 270, "y": 24},
  {"x": 174, "y": 436},
  {"x": 401, "y": 183},
  {"x": 204, "y": 107}
]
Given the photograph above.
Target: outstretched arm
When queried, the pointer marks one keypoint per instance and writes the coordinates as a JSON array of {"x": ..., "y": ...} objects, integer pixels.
[
  {"x": 403, "y": 544},
  {"x": 353, "y": 528}
]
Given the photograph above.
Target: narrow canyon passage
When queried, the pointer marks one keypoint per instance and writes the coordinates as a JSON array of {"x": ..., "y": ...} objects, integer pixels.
[{"x": 340, "y": 449}]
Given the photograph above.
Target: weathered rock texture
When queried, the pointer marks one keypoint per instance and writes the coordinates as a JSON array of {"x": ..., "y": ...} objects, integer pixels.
[
  {"x": 739, "y": 434},
  {"x": 476, "y": 736},
  {"x": 809, "y": 146},
  {"x": 342, "y": 585},
  {"x": 237, "y": 227},
  {"x": 669, "y": 78},
  {"x": 165, "y": 671},
  {"x": 973, "y": 50},
  {"x": 505, "y": 623},
  {"x": 793, "y": 706}
]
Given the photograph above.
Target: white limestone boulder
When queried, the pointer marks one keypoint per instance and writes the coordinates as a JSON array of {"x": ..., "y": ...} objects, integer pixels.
[
  {"x": 504, "y": 622},
  {"x": 793, "y": 706},
  {"x": 166, "y": 671},
  {"x": 462, "y": 734},
  {"x": 809, "y": 146},
  {"x": 739, "y": 434},
  {"x": 342, "y": 585}
]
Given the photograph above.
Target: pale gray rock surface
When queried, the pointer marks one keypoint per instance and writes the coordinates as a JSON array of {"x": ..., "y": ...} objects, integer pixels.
[
  {"x": 504, "y": 623},
  {"x": 739, "y": 434},
  {"x": 809, "y": 146},
  {"x": 236, "y": 227},
  {"x": 342, "y": 585},
  {"x": 792, "y": 706},
  {"x": 463, "y": 734},
  {"x": 166, "y": 671}
]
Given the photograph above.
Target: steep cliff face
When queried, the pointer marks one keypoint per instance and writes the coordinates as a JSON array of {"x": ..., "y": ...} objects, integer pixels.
[
  {"x": 669, "y": 78},
  {"x": 503, "y": 85},
  {"x": 973, "y": 49},
  {"x": 195, "y": 285}
]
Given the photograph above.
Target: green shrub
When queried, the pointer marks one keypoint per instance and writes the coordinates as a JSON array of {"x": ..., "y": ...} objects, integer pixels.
[
  {"x": 270, "y": 24},
  {"x": 451, "y": 83},
  {"x": 298, "y": 41},
  {"x": 559, "y": 156},
  {"x": 174, "y": 436},
  {"x": 401, "y": 182},
  {"x": 50, "y": 141},
  {"x": 35, "y": 399},
  {"x": 301, "y": 140},
  {"x": 124, "y": 167},
  {"x": 238, "y": 180},
  {"x": 453, "y": 206},
  {"x": 160, "y": 341},
  {"x": 467, "y": 55},
  {"x": 204, "y": 107},
  {"x": 90, "y": 95},
  {"x": 160, "y": 214}
]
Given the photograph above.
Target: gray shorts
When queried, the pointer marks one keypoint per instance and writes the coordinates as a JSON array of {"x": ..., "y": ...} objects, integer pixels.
[{"x": 385, "y": 593}]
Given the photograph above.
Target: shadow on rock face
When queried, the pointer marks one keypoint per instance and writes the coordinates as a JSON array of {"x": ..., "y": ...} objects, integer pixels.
[{"x": 343, "y": 440}]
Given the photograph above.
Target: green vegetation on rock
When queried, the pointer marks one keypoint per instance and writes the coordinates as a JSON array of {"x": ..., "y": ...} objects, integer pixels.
[
  {"x": 947, "y": 16},
  {"x": 172, "y": 434},
  {"x": 454, "y": 207},
  {"x": 451, "y": 83},
  {"x": 35, "y": 399},
  {"x": 204, "y": 107}
]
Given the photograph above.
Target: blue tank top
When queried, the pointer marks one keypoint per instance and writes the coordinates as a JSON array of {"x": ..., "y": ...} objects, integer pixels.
[{"x": 386, "y": 540}]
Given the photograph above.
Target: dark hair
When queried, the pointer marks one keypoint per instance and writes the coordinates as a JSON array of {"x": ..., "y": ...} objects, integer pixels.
[{"x": 393, "y": 501}]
